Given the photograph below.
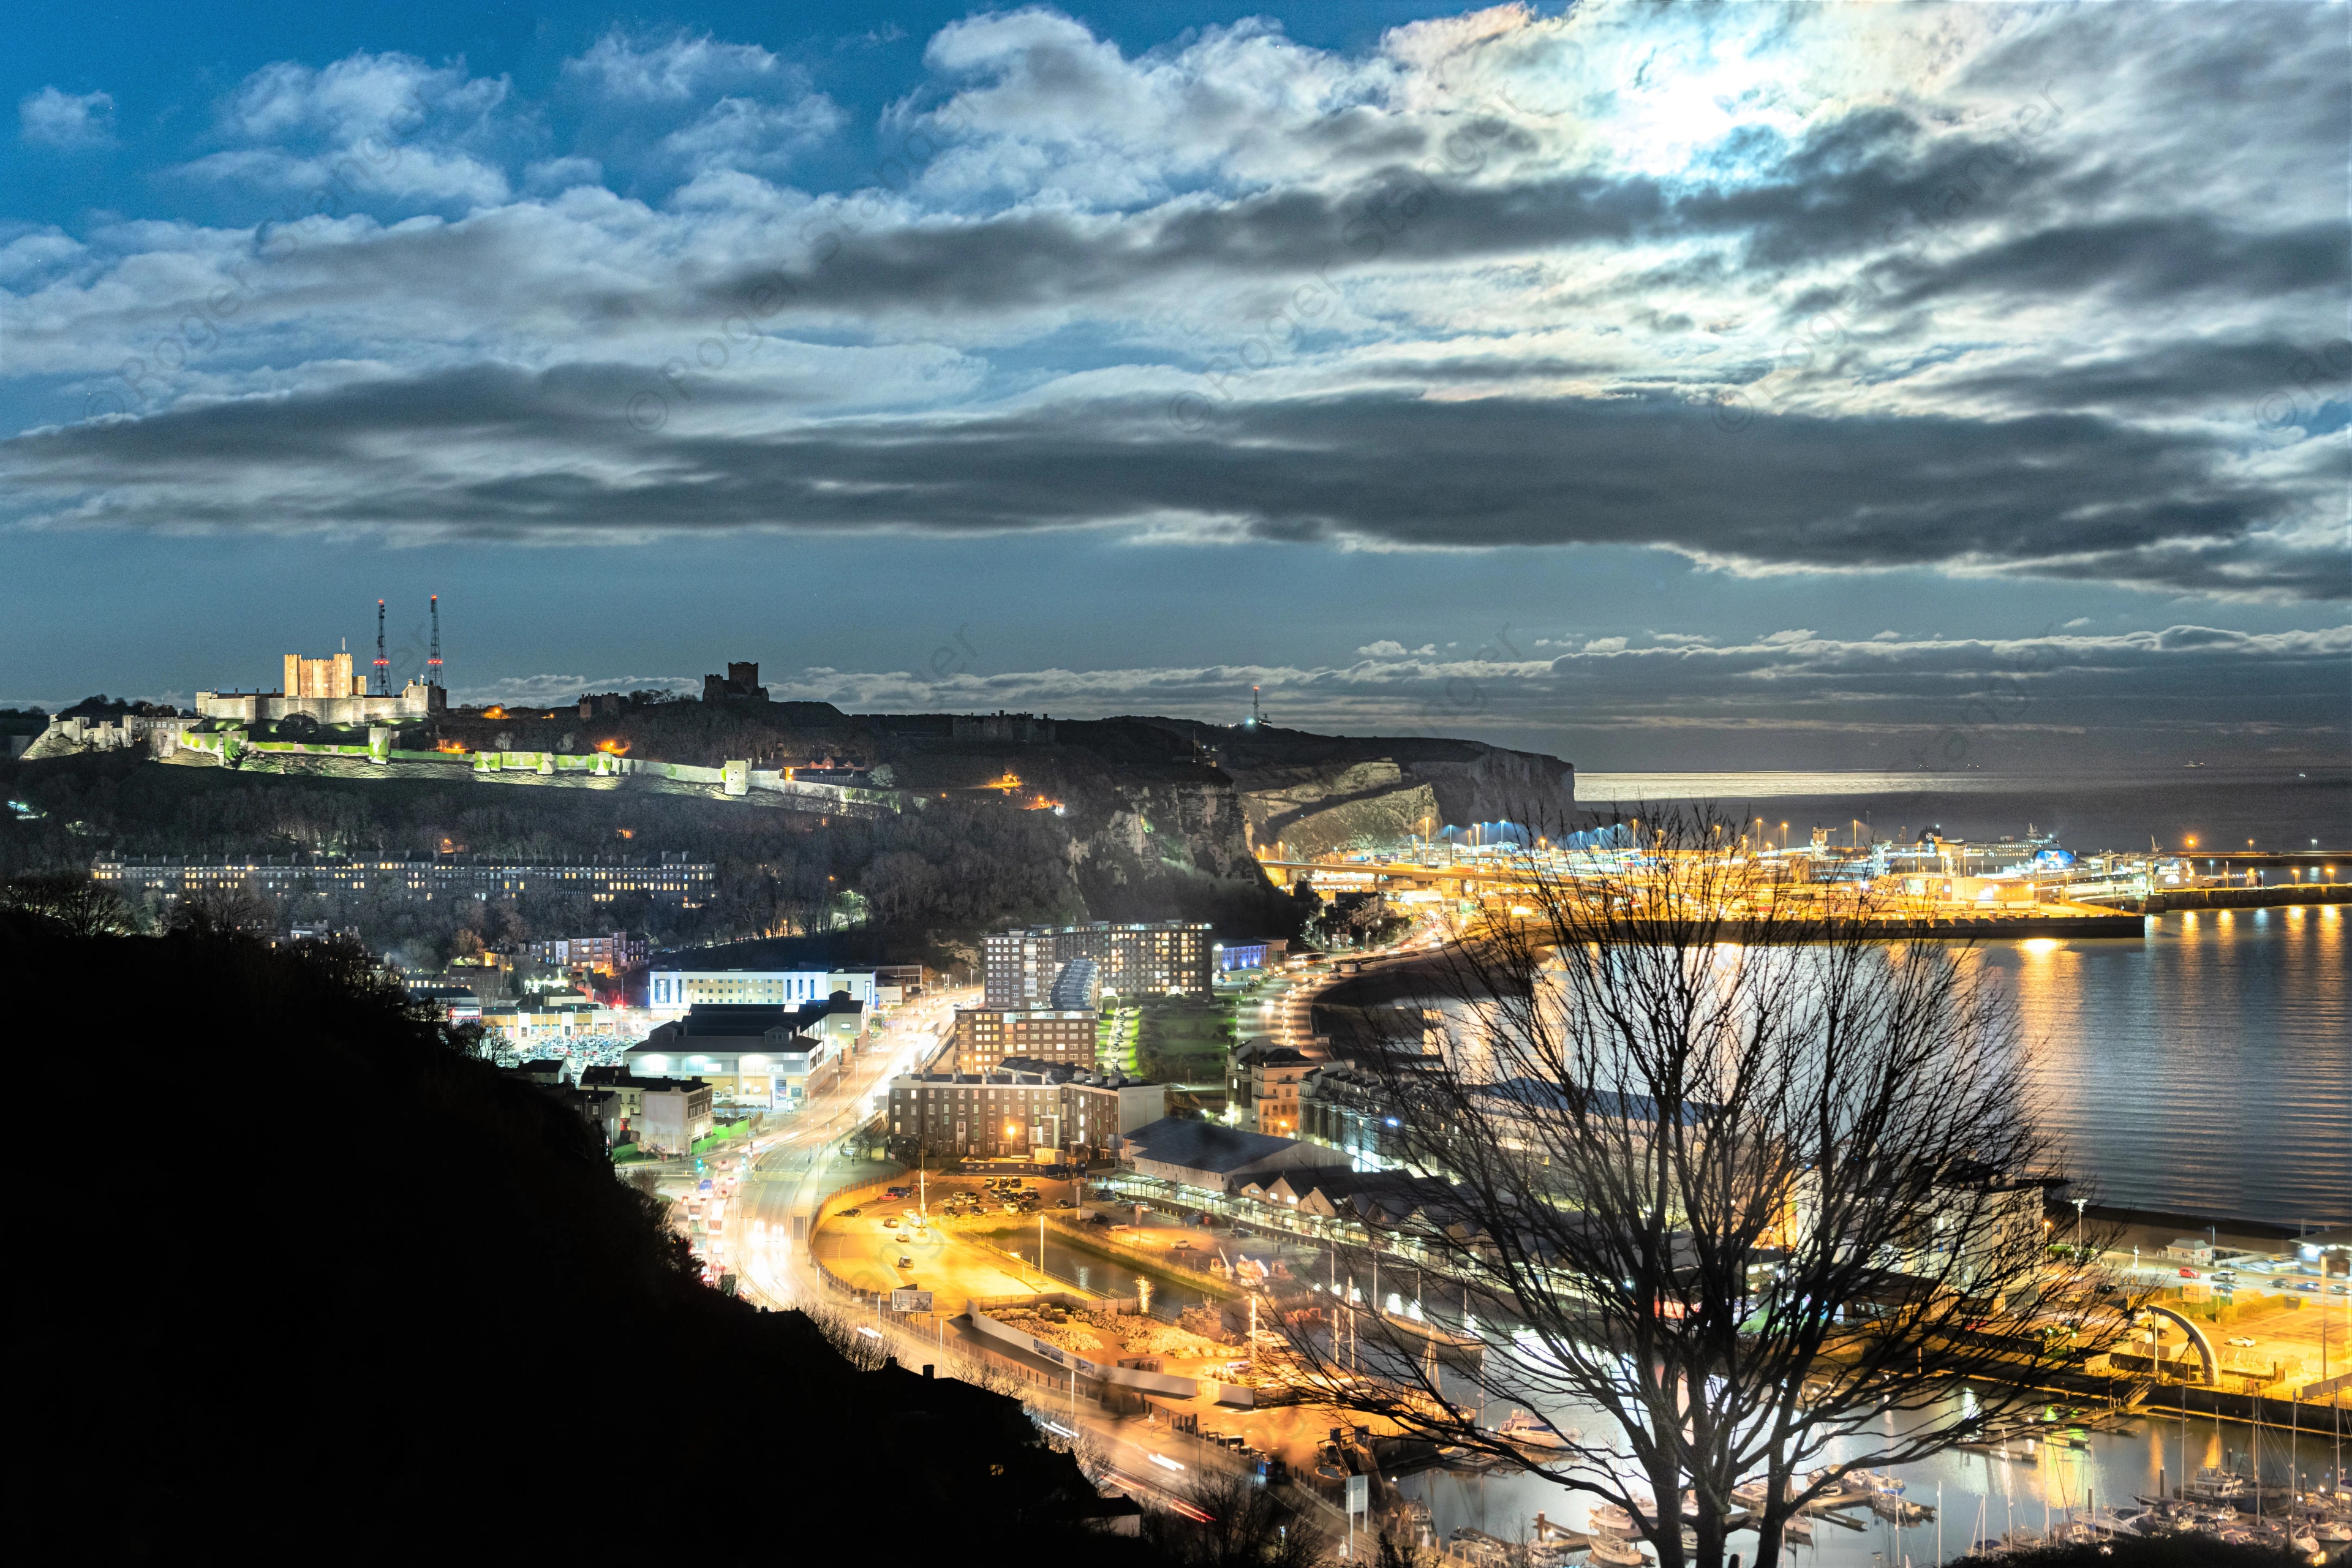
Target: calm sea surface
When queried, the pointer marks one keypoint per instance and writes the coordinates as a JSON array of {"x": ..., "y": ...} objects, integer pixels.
[
  {"x": 2206, "y": 1067},
  {"x": 2222, "y": 807}
]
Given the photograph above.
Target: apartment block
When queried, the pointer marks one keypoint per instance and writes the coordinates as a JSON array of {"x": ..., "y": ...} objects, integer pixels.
[
  {"x": 987, "y": 1036},
  {"x": 1026, "y": 1107},
  {"x": 1139, "y": 960}
]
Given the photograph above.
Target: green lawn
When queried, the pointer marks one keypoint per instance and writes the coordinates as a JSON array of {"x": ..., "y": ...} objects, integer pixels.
[{"x": 1185, "y": 1039}]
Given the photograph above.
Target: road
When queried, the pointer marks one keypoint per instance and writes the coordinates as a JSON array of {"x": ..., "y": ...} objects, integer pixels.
[
  {"x": 783, "y": 1173},
  {"x": 1285, "y": 1015},
  {"x": 2297, "y": 1322}
]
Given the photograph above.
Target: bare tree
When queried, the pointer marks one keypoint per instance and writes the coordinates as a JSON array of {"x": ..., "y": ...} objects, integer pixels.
[
  {"x": 238, "y": 906},
  {"x": 74, "y": 902},
  {"x": 1230, "y": 1522},
  {"x": 865, "y": 1352},
  {"x": 1718, "y": 1154}
]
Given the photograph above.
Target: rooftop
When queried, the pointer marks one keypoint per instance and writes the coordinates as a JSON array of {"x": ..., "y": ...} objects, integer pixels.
[
  {"x": 1205, "y": 1146},
  {"x": 621, "y": 1077}
]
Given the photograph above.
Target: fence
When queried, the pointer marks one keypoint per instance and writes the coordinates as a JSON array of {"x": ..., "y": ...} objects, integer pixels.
[{"x": 985, "y": 1323}]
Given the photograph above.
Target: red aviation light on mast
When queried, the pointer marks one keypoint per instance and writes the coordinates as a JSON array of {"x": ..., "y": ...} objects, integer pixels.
[{"x": 433, "y": 660}]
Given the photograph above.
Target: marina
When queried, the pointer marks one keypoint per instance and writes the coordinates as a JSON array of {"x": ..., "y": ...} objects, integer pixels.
[{"x": 2067, "y": 1474}]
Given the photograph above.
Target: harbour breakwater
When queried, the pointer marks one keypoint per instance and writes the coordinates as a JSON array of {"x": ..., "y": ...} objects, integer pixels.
[{"x": 2245, "y": 897}]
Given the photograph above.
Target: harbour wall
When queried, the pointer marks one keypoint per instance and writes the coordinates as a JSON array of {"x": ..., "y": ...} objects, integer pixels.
[{"x": 2247, "y": 897}]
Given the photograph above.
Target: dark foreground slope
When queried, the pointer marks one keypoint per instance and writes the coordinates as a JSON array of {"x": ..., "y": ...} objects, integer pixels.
[{"x": 307, "y": 1278}]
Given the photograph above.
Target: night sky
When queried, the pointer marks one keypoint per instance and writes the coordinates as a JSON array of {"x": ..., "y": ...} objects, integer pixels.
[{"x": 1742, "y": 386}]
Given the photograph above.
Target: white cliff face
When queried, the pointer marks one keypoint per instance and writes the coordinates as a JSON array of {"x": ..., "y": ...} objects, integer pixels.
[{"x": 1315, "y": 806}]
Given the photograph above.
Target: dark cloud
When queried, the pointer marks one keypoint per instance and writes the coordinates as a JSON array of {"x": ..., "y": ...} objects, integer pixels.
[
  {"x": 497, "y": 452},
  {"x": 2140, "y": 260},
  {"x": 1858, "y": 183},
  {"x": 2167, "y": 376}
]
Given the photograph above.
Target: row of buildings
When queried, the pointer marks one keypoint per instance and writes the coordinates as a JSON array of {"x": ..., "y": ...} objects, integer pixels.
[
  {"x": 748, "y": 1056},
  {"x": 670, "y": 880}
]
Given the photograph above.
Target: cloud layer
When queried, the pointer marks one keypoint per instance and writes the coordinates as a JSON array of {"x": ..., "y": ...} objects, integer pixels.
[
  {"x": 2055, "y": 291},
  {"x": 1929, "y": 700}
]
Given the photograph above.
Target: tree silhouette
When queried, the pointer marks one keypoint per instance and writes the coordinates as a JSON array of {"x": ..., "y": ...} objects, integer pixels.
[{"x": 1748, "y": 1186}]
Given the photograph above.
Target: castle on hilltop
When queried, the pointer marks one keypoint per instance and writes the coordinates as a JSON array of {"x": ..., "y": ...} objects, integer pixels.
[{"x": 329, "y": 691}]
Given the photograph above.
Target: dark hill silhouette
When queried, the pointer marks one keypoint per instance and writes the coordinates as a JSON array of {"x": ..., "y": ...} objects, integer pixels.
[{"x": 308, "y": 1279}]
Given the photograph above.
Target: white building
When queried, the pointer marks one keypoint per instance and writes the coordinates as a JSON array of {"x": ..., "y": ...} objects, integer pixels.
[
  {"x": 671, "y": 991},
  {"x": 775, "y": 1076},
  {"x": 753, "y": 1054}
]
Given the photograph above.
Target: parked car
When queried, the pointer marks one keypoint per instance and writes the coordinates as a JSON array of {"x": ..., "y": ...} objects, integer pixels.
[
  {"x": 2189, "y": 1274},
  {"x": 2243, "y": 1341},
  {"x": 890, "y": 1222},
  {"x": 905, "y": 1261},
  {"x": 1066, "y": 1203},
  {"x": 851, "y": 1213}
]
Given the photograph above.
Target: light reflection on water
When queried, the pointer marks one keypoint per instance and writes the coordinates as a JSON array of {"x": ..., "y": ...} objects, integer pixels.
[
  {"x": 2202, "y": 1069},
  {"x": 2205, "y": 1068},
  {"x": 2002, "y": 1494}
]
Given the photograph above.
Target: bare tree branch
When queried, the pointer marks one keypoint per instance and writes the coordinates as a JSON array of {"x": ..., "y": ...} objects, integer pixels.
[{"x": 1706, "y": 1153}]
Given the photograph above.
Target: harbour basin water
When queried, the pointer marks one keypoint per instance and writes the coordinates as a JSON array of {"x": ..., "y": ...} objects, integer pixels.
[{"x": 1979, "y": 1490}]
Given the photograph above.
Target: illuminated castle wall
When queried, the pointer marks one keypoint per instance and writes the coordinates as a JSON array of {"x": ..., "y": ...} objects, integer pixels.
[
  {"x": 330, "y": 676},
  {"x": 326, "y": 689}
]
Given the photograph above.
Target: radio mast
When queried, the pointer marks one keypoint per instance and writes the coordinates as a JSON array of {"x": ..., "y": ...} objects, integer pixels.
[
  {"x": 383, "y": 665},
  {"x": 433, "y": 660}
]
